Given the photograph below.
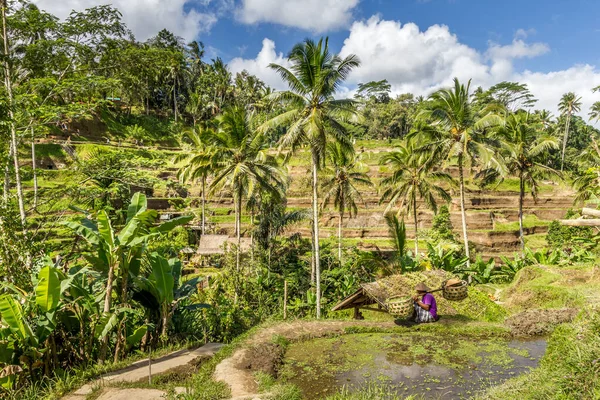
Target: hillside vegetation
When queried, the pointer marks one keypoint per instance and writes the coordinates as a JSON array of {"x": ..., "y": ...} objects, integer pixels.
[{"x": 152, "y": 200}]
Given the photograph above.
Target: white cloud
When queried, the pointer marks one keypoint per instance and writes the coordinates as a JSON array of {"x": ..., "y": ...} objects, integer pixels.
[
  {"x": 524, "y": 33},
  {"x": 259, "y": 66},
  {"x": 517, "y": 49},
  {"x": 411, "y": 60},
  {"x": 549, "y": 87},
  {"x": 144, "y": 17},
  {"x": 420, "y": 62},
  {"x": 312, "y": 15}
]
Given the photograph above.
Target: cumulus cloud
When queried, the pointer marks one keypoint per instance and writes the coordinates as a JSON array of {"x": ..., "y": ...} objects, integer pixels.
[
  {"x": 312, "y": 15},
  {"x": 420, "y": 62},
  {"x": 409, "y": 59},
  {"x": 145, "y": 17},
  {"x": 517, "y": 49},
  {"x": 259, "y": 66},
  {"x": 549, "y": 87}
]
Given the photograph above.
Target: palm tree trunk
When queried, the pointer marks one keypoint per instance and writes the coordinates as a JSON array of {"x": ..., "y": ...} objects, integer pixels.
[
  {"x": 33, "y": 166},
  {"x": 106, "y": 310},
  {"x": 416, "y": 228},
  {"x": 463, "y": 213},
  {"x": 13, "y": 133},
  {"x": 340, "y": 235},
  {"x": 565, "y": 139},
  {"x": 238, "y": 230},
  {"x": 315, "y": 201},
  {"x": 203, "y": 204},
  {"x": 521, "y": 195}
]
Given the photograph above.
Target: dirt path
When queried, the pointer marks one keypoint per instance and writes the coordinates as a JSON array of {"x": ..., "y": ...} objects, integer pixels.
[{"x": 139, "y": 371}]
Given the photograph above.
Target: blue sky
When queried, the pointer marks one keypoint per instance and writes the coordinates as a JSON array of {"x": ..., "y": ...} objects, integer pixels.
[
  {"x": 418, "y": 45},
  {"x": 570, "y": 28}
]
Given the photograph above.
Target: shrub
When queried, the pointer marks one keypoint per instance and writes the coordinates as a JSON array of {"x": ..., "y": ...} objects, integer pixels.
[{"x": 442, "y": 228}]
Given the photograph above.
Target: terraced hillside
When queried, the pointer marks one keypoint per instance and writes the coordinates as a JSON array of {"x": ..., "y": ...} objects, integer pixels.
[{"x": 492, "y": 214}]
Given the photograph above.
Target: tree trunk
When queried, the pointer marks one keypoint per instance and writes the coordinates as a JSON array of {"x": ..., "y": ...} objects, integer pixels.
[
  {"x": 521, "y": 195},
  {"x": 238, "y": 230},
  {"x": 340, "y": 235},
  {"x": 565, "y": 139},
  {"x": 7, "y": 174},
  {"x": 13, "y": 133},
  {"x": 33, "y": 166},
  {"x": 416, "y": 228},
  {"x": 463, "y": 213},
  {"x": 106, "y": 310},
  {"x": 580, "y": 222},
  {"x": 590, "y": 212},
  {"x": 164, "y": 321},
  {"x": 315, "y": 201},
  {"x": 203, "y": 204},
  {"x": 120, "y": 347},
  {"x": 312, "y": 257},
  {"x": 175, "y": 99}
]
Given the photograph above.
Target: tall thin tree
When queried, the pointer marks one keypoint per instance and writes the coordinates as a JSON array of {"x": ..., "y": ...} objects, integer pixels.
[
  {"x": 524, "y": 145},
  {"x": 412, "y": 180},
  {"x": 569, "y": 104},
  {"x": 313, "y": 116},
  {"x": 8, "y": 85},
  {"x": 459, "y": 136},
  {"x": 343, "y": 181},
  {"x": 241, "y": 162}
]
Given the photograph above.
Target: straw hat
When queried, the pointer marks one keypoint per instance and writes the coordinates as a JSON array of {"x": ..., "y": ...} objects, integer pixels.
[{"x": 421, "y": 287}]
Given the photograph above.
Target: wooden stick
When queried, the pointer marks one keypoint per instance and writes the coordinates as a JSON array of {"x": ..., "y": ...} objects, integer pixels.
[{"x": 285, "y": 299}]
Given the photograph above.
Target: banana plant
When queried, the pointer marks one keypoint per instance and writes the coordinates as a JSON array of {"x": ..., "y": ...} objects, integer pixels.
[
  {"x": 163, "y": 288},
  {"x": 28, "y": 321},
  {"x": 119, "y": 255}
]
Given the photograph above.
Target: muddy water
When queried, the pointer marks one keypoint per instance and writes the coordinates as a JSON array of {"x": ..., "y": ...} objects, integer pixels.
[{"x": 438, "y": 368}]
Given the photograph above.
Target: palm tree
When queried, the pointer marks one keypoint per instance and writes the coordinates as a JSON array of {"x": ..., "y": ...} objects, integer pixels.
[
  {"x": 313, "y": 116},
  {"x": 595, "y": 108},
  {"x": 460, "y": 135},
  {"x": 241, "y": 162},
  {"x": 595, "y": 111},
  {"x": 412, "y": 179},
  {"x": 569, "y": 104},
  {"x": 197, "y": 165},
  {"x": 341, "y": 184},
  {"x": 523, "y": 147}
]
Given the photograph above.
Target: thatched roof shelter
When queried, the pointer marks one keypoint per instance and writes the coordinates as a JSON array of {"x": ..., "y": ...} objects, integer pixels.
[{"x": 215, "y": 244}]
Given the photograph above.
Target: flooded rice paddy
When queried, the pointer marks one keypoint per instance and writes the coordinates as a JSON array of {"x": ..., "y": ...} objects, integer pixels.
[{"x": 419, "y": 364}]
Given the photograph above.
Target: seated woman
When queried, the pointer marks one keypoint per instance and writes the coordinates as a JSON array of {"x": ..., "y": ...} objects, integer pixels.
[{"x": 425, "y": 305}]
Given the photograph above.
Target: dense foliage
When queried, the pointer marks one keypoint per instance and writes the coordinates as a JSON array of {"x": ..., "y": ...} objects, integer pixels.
[{"x": 90, "y": 272}]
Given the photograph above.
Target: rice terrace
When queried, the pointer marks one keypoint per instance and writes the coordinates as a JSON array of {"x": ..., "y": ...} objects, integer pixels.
[{"x": 285, "y": 200}]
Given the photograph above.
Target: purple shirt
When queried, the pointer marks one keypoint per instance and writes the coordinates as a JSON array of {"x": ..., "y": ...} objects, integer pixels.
[{"x": 430, "y": 300}]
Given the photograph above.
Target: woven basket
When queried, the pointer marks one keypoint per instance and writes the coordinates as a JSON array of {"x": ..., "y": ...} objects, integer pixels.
[
  {"x": 400, "y": 306},
  {"x": 455, "y": 293}
]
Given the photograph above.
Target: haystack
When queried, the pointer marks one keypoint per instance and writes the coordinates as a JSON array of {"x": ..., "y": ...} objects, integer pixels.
[{"x": 373, "y": 296}]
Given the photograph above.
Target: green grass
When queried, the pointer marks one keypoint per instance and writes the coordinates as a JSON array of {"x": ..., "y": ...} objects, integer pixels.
[
  {"x": 537, "y": 241},
  {"x": 529, "y": 221},
  {"x": 541, "y": 287}
]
